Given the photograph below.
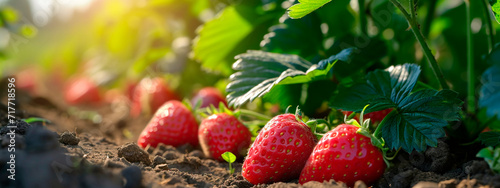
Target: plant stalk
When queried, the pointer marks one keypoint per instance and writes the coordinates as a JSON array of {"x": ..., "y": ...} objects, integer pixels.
[
  {"x": 420, "y": 38},
  {"x": 471, "y": 102},
  {"x": 489, "y": 25},
  {"x": 426, "y": 28},
  {"x": 363, "y": 23}
]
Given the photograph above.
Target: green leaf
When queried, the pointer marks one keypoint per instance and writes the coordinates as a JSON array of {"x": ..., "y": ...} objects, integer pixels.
[
  {"x": 420, "y": 116},
  {"x": 489, "y": 95},
  {"x": 305, "y": 7},
  {"x": 492, "y": 157},
  {"x": 36, "y": 119},
  {"x": 229, "y": 157},
  {"x": 491, "y": 138},
  {"x": 260, "y": 71},
  {"x": 306, "y": 34},
  {"x": 495, "y": 6},
  {"x": 232, "y": 32}
]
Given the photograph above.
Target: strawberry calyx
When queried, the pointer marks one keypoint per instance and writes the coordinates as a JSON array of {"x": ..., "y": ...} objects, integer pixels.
[{"x": 375, "y": 137}]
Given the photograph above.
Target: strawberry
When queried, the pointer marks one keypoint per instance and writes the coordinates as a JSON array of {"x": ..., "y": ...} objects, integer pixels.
[
  {"x": 149, "y": 95},
  {"x": 173, "y": 124},
  {"x": 222, "y": 132},
  {"x": 377, "y": 116},
  {"x": 81, "y": 91},
  {"x": 208, "y": 96},
  {"x": 346, "y": 156},
  {"x": 279, "y": 152}
]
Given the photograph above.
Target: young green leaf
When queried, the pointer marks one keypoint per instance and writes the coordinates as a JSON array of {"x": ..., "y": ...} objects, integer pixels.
[
  {"x": 305, "y": 7},
  {"x": 230, "y": 158},
  {"x": 491, "y": 138},
  {"x": 36, "y": 119},
  {"x": 492, "y": 157},
  {"x": 259, "y": 72},
  {"x": 232, "y": 32},
  {"x": 495, "y": 6},
  {"x": 420, "y": 116}
]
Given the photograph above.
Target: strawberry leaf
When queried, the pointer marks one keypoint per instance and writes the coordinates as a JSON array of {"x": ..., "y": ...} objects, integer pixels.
[
  {"x": 491, "y": 138},
  {"x": 278, "y": 39},
  {"x": 259, "y": 72},
  {"x": 305, "y": 7},
  {"x": 495, "y": 6},
  {"x": 232, "y": 32},
  {"x": 492, "y": 157},
  {"x": 420, "y": 116},
  {"x": 489, "y": 95}
]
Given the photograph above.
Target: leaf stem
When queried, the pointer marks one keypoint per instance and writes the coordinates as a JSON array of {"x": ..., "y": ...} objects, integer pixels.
[
  {"x": 471, "y": 102},
  {"x": 428, "y": 54},
  {"x": 254, "y": 114},
  {"x": 489, "y": 26},
  {"x": 376, "y": 133},
  {"x": 412, "y": 9},
  {"x": 362, "y": 17}
]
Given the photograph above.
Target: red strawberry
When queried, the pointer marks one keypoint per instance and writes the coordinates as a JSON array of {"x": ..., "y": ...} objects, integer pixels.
[
  {"x": 149, "y": 95},
  {"x": 173, "y": 124},
  {"x": 223, "y": 132},
  {"x": 279, "y": 152},
  {"x": 377, "y": 116},
  {"x": 82, "y": 91},
  {"x": 346, "y": 156},
  {"x": 209, "y": 95}
]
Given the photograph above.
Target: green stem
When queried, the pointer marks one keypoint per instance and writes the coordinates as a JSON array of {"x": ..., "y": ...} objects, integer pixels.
[
  {"x": 427, "y": 51},
  {"x": 426, "y": 27},
  {"x": 381, "y": 124},
  {"x": 362, "y": 17},
  {"x": 254, "y": 114},
  {"x": 489, "y": 26},
  {"x": 412, "y": 9},
  {"x": 471, "y": 103}
]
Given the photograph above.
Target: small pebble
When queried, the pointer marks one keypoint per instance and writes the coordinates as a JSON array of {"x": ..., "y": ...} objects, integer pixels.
[
  {"x": 69, "y": 138},
  {"x": 133, "y": 153}
]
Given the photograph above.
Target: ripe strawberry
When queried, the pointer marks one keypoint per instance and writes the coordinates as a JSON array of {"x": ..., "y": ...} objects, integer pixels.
[
  {"x": 173, "y": 124},
  {"x": 149, "y": 95},
  {"x": 279, "y": 152},
  {"x": 346, "y": 156},
  {"x": 377, "y": 116},
  {"x": 223, "y": 132},
  {"x": 209, "y": 95},
  {"x": 82, "y": 91}
]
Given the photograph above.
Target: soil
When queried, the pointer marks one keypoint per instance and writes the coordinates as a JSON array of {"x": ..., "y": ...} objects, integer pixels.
[{"x": 84, "y": 148}]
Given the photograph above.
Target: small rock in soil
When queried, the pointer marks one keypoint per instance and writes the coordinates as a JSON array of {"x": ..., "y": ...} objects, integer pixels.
[
  {"x": 403, "y": 179},
  {"x": 452, "y": 183},
  {"x": 40, "y": 139},
  {"x": 467, "y": 183},
  {"x": 21, "y": 127},
  {"x": 237, "y": 181},
  {"x": 426, "y": 184},
  {"x": 186, "y": 148},
  {"x": 133, "y": 153},
  {"x": 162, "y": 166},
  {"x": 197, "y": 153},
  {"x": 149, "y": 149},
  {"x": 170, "y": 155},
  {"x": 158, "y": 160},
  {"x": 69, "y": 138},
  {"x": 133, "y": 175},
  {"x": 476, "y": 167}
]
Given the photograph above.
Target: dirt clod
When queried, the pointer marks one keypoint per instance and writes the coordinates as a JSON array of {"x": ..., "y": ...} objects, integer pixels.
[
  {"x": 426, "y": 184},
  {"x": 448, "y": 183},
  {"x": 158, "y": 160},
  {"x": 133, "y": 153},
  {"x": 69, "y": 138}
]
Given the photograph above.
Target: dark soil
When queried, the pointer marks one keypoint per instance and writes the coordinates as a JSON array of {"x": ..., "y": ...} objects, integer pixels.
[{"x": 80, "y": 150}]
